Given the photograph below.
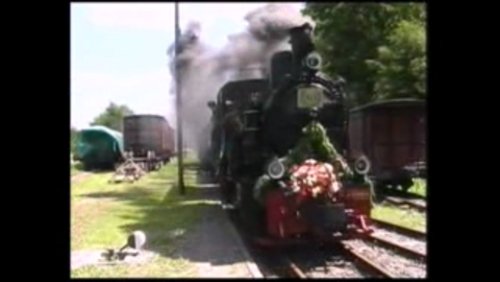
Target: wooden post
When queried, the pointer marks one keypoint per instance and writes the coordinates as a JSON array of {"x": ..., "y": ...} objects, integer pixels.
[{"x": 180, "y": 151}]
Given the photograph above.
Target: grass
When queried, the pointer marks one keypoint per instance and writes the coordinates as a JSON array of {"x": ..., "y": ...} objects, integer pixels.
[
  {"x": 103, "y": 214},
  {"x": 406, "y": 218},
  {"x": 162, "y": 267},
  {"x": 419, "y": 187}
]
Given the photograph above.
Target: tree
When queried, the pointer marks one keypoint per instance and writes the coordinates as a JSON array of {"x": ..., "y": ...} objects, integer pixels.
[
  {"x": 350, "y": 36},
  {"x": 400, "y": 65},
  {"x": 113, "y": 116}
]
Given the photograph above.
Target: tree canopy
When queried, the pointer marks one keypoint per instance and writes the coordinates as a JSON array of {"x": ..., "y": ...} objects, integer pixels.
[
  {"x": 379, "y": 48},
  {"x": 113, "y": 116}
]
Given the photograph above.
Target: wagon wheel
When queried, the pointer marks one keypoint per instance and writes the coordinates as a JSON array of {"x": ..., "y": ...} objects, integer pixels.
[{"x": 406, "y": 184}]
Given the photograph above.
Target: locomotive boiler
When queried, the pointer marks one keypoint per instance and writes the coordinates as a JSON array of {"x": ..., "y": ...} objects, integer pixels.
[{"x": 277, "y": 147}]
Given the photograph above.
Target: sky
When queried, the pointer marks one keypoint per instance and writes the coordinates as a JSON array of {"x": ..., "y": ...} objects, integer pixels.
[{"x": 118, "y": 52}]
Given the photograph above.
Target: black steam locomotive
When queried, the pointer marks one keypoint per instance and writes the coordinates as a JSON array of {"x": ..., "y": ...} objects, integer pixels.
[{"x": 277, "y": 145}]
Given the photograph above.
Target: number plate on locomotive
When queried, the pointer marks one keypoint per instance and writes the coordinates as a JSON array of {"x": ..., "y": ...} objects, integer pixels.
[{"x": 309, "y": 98}]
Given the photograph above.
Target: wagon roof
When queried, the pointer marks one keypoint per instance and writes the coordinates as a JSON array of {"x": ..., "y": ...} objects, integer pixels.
[
  {"x": 145, "y": 115},
  {"x": 138, "y": 116},
  {"x": 390, "y": 103},
  {"x": 115, "y": 135}
]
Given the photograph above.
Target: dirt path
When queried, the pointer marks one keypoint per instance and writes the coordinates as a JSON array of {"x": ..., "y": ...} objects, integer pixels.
[
  {"x": 79, "y": 176},
  {"x": 94, "y": 257},
  {"x": 215, "y": 246}
]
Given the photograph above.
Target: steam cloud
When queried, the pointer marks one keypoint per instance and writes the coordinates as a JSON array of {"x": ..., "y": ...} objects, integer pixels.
[{"x": 203, "y": 71}]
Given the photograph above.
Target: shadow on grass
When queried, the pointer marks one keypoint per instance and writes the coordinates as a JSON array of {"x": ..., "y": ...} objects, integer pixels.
[
  {"x": 171, "y": 220},
  {"x": 79, "y": 166}
]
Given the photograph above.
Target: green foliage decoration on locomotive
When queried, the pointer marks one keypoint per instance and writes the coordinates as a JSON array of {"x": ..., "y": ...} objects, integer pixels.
[{"x": 314, "y": 144}]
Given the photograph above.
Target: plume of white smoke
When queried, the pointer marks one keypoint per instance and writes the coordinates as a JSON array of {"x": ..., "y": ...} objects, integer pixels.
[{"x": 203, "y": 72}]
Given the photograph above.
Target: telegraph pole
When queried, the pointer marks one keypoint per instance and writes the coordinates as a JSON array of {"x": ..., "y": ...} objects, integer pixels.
[{"x": 180, "y": 151}]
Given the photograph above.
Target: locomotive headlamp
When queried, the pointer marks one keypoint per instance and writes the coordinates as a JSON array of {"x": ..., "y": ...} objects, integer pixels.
[
  {"x": 309, "y": 97},
  {"x": 362, "y": 165},
  {"x": 313, "y": 61},
  {"x": 276, "y": 169}
]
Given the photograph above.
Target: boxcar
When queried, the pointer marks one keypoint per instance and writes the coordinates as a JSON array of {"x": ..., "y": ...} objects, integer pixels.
[
  {"x": 392, "y": 134},
  {"x": 148, "y": 133},
  {"x": 99, "y": 147}
]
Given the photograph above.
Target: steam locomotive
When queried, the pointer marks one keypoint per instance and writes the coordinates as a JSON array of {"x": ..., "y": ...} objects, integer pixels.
[{"x": 277, "y": 147}]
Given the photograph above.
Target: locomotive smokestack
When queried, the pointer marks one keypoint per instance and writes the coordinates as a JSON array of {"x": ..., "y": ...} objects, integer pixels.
[
  {"x": 301, "y": 41},
  {"x": 246, "y": 55}
]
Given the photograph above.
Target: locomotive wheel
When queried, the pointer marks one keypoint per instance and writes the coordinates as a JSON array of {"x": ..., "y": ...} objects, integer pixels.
[
  {"x": 238, "y": 196},
  {"x": 378, "y": 193}
]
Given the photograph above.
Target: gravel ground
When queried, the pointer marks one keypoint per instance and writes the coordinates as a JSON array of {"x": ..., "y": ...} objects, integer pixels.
[
  {"x": 409, "y": 242},
  {"x": 337, "y": 268},
  {"x": 325, "y": 263},
  {"x": 392, "y": 262},
  {"x": 80, "y": 176}
]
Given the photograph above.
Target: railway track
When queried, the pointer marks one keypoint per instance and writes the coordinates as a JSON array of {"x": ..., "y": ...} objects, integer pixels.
[
  {"x": 401, "y": 194},
  {"x": 384, "y": 225},
  {"x": 391, "y": 251},
  {"x": 326, "y": 262},
  {"x": 404, "y": 199},
  {"x": 384, "y": 254},
  {"x": 358, "y": 259},
  {"x": 407, "y": 246},
  {"x": 417, "y": 204},
  {"x": 384, "y": 261}
]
